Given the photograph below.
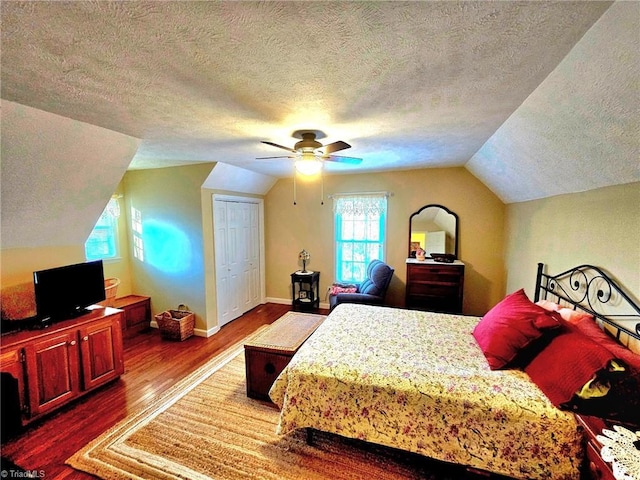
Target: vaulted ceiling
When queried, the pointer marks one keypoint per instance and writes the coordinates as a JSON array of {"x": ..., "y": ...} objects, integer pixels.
[{"x": 515, "y": 91}]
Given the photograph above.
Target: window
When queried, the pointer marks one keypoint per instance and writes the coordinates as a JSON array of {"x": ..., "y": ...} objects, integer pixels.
[
  {"x": 102, "y": 243},
  {"x": 360, "y": 224},
  {"x": 136, "y": 227}
]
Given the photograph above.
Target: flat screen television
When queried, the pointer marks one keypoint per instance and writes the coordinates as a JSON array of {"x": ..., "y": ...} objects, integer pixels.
[{"x": 66, "y": 292}]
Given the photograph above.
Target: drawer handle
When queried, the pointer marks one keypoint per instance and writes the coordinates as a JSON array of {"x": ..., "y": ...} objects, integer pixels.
[
  {"x": 85, "y": 338},
  {"x": 595, "y": 470},
  {"x": 72, "y": 343}
]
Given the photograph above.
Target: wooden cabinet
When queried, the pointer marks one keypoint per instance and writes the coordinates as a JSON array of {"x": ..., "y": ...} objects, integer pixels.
[
  {"x": 434, "y": 286},
  {"x": 137, "y": 313},
  {"x": 55, "y": 365}
]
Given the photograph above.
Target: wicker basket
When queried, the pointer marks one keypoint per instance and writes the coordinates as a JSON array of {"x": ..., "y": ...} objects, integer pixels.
[
  {"x": 176, "y": 324},
  {"x": 110, "y": 290}
]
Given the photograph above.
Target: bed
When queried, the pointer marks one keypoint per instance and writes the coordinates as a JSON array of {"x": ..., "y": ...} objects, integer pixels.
[{"x": 419, "y": 381}]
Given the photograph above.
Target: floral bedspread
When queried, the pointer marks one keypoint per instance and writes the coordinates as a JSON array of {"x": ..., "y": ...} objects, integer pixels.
[{"x": 418, "y": 381}]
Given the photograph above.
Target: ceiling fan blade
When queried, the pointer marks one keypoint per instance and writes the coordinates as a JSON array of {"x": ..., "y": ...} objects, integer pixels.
[
  {"x": 267, "y": 158},
  {"x": 341, "y": 159},
  {"x": 334, "y": 147},
  {"x": 279, "y": 146}
]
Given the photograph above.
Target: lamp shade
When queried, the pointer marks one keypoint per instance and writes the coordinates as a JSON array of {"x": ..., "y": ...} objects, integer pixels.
[{"x": 308, "y": 165}]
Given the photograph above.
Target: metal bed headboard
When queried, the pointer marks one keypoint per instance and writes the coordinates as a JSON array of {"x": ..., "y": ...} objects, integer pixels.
[{"x": 590, "y": 289}]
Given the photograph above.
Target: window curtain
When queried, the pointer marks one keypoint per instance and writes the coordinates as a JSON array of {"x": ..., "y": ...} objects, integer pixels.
[
  {"x": 373, "y": 205},
  {"x": 112, "y": 210}
]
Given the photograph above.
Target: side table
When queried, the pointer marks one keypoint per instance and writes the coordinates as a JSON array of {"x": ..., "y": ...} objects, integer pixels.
[
  {"x": 305, "y": 290},
  {"x": 595, "y": 467}
]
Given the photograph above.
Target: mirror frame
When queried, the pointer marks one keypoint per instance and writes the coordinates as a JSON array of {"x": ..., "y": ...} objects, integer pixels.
[{"x": 455, "y": 215}]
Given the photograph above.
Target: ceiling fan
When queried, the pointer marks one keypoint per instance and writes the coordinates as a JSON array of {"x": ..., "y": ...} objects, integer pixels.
[{"x": 309, "y": 153}]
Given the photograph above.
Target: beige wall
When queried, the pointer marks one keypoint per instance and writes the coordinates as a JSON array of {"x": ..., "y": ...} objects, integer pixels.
[
  {"x": 309, "y": 225},
  {"x": 599, "y": 227},
  {"x": 172, "y": 272},
  {"x": 18, "y": 265}
]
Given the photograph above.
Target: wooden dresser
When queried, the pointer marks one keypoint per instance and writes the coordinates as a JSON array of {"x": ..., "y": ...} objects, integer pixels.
[{"x": 434, "y": 286}]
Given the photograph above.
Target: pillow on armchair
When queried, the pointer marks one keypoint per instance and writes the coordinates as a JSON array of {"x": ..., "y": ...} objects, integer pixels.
[{"x": 371, "y": 290}]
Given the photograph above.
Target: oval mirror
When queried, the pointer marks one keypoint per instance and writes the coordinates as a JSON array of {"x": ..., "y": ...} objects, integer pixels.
[{"x": 433, "y": 228}]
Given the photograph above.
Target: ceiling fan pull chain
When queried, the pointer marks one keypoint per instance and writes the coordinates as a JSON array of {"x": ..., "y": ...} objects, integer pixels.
[
  {"x": 294, "y": 185},
  {"x": 321, "y": 188}
]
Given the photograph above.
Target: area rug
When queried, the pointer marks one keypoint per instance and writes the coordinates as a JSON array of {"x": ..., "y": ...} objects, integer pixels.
[{"x": 205, "y": 427}]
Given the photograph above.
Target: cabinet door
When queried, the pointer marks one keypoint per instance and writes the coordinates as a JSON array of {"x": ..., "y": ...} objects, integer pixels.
[
  {"x": 52, "y": 370},
  {"x": 101, "y": 352},
  {"x": 13, "y": 391}
]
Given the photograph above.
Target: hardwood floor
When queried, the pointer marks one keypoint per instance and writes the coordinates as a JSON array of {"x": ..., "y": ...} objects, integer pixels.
[{"x": 151, "y": 366}]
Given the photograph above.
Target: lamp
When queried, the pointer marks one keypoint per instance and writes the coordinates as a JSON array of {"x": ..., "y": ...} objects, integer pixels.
[
  {"x": 308, "y": 164},
  {"x": 304, "y": 256}
]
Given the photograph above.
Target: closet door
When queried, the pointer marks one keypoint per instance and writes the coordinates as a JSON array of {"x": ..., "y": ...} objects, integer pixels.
[
  {"x": 223, "y": 268},
  {"x": 252, "y": 257},
  {"x": 237, "y": 247}
]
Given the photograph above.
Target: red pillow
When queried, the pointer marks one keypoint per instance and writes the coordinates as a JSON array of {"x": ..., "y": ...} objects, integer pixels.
[
  {"x": 588, "y": 327},
  {"x": 510, "y": 327},
  {"x": 622, "y": 403},
  {"x": 569, "y": 361}
]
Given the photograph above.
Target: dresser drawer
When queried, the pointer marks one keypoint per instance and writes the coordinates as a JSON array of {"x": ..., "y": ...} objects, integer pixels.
[
  {"x": 433, "y": 289},
  {"x": 594, "y": 468},
  {"x": 428, "y": 273}
]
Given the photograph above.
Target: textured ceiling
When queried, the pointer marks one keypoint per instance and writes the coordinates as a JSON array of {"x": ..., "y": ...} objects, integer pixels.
[{"x": 407, "y": 84}]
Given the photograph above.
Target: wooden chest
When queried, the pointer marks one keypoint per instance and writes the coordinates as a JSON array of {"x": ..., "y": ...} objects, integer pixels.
[
  {"x": 137, "y": 314},
  {"x": 269, "y": 351}
]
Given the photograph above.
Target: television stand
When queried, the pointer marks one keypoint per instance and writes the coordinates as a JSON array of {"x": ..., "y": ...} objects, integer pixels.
[{"x": 53, "y": 366}]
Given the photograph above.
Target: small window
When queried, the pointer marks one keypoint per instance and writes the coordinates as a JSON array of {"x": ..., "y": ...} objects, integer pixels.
[
  {"x": 136, "y": 227},
  {"x": 360, "y": 224},
  {"x": 102, "y": 243}
]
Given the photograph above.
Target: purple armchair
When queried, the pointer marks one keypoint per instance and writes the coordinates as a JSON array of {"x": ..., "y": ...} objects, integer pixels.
[{"x": 372, "y": 290}]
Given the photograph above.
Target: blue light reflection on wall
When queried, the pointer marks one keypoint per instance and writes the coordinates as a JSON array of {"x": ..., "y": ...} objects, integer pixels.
[{"x": 166, "y": 247}]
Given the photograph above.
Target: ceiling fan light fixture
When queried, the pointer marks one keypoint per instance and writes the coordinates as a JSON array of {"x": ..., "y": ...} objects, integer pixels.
[{"x": 308, "y": 165}]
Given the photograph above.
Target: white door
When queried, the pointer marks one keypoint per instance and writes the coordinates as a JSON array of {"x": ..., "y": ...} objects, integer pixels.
[
  {"x": 435, "y": 242},
  {"x": 223, "y": 268},
  {"x": 237, "y": 247}
]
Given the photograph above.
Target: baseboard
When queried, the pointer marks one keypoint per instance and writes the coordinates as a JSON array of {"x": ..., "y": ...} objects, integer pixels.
[
  {"x": 287, "y": 301},
  {"x": 206, "y": 333},
  {"x": 281, "y": 301},
  {"x": 198, "y": 332}
]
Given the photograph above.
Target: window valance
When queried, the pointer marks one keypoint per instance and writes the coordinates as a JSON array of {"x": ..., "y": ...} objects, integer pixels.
[{"x": 366, "y": 204}]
